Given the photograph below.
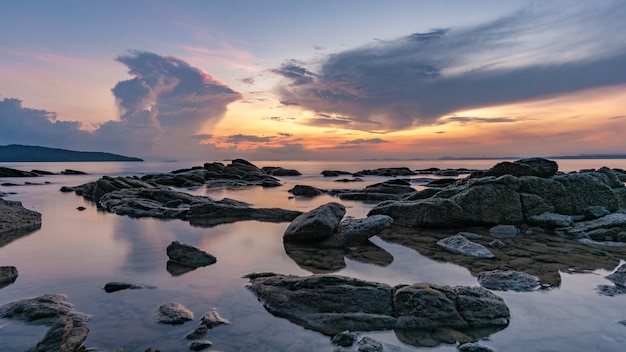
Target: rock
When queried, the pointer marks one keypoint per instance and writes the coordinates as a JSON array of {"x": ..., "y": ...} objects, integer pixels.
[
  {"x": 189, "y": 256},
  {"x": 119, "y": 285},
  {"x": 441, "y": 182},
  {"x": 594, "y": 212},
  {"x": 368, "y": 344},
  {"x": 497, "y": 244},
  {"x": 619, "y": 276},
  {"x": 200, "y": 345},
  {"x": 208, "y": 321},
  {"x": 357, "y": 231},
  {"x": 345, "y": 338},
  {"x": 210, "y": 213},
  {"x": 538, "y": 167},
  {"x": 316, "y": 224},
  {"x": 67, "y": 327},
  {"x": 461, "y": 245},
  {"x": 174, "y": 313},
  {"x": 306, "y": 191},
  {"x": 507, "y": 280},
  {"x": 81, "y": 208},
  {"x": 73, "y": 172},
  {"x": 331, "y": 304},
  {"x": 504, "y": 231},
  {"x": 601, "y": 229},
  {"x": 9, "y": 172},
  {"x": 334, "y": 173},
  {"x": 279, "y": 171},
  {"x": 473, "y": 347},
  {"x": 431, "y": 212},
  {"x": 8, "y": 275},
  {"x": 551, "y": 220},
  {"x": 470, "y": 235},
  {"x": 14, "y": 217}
]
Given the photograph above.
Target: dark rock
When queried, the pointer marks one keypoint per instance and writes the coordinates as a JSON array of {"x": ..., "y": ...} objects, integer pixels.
[
  {"x": 601, "y": 229},
  {"x": 8, "y": 275},
  {"x": 507, "y": 280},
  {"x": 346, "y": 180},
  {"x": 538, "y": 167},
  {"x": 14, "y": 217},
  {"x": 306, "y": 191},
  {"x": 551, "y": 220},
  {"x": 441, "y": 182},
  {"x": 9, "y": 172},
  {"x": 208, "y": 321},
  {"x": 334, "y": 173},
  {"x": 73, "y": 172},
  {"x": 595, "y": 212},
  {"x": 174, "y": 313},
  {"x": 211, "y": 213},
  {"x": 497, "y": 244},
  {"x": 279, "y": 171},
  {"x": 357, "y": 231},
  {"x": 316, "y": 224},
  {"x": 431, "y": 212},
  {"x": 331, "y": 304},
  {"x": 189, "y": 256},
  {"x": 119, "y": 285},
  {"x": 387, "y": 171},
  {"x": 461, "y": 245},
  {"x": 504, "y": 231},
  {"x": 200, "y": 345},
  {"x": 473, "y": 347},
  {"x": 345, "y": 338},
  {"x": 42, "y": 172}
]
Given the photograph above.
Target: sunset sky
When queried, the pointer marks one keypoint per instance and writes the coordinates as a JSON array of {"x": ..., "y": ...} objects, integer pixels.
[{"x": 315, "y": 80}]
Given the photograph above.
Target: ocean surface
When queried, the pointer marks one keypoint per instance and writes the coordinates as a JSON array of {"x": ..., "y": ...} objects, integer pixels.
[{"x": 76, "y": 252}]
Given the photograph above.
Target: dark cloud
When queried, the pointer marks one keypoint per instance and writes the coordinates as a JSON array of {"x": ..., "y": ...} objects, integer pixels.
[
  {"x": 202, "y": 136},
  {"x": 365, "y": 141},
  {"x": 247, "y": 80},
  {"x": 294, "y": 72},
  {"x": 167, "y": 100},
  {"x": 617, "y": 117},
  {"x": 285, "y": 134},
  {"x": 238, "y": 138},
  {"x": 539, "y": 51},
  {"x": 468, "y": 119}
]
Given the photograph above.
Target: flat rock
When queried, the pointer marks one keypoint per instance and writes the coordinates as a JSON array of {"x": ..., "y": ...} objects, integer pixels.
[
  {"x": 461, "y": 245},
  {"x": 508, "y": 280},
  {"x": 188, "y": 255},
  {"x": 174, "y": 313},
  {"x": 120, "y": 285},
  {"x": 316, "y": 224},
  {"x": 357, "y": 231}
]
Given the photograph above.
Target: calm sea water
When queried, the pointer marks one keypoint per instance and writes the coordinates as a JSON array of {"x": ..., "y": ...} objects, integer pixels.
[{"x": 76, "y": 252}]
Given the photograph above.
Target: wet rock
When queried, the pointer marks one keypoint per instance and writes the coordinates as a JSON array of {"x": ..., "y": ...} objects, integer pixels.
[
  {"x": 210, "y": 213},
  {"x": 461, "y": 245},
  {"x": 316, "y": 224},
  {"x": 8, "y": 275},
  {"x": 67, "y": 327},
  {"x": 208, "y": 321},
  {"x": 551, "y": 220},
  {"x": 497, "y": 244},
  {"x": 504, "y": 231},
  {"x": 189, "y": 256},
  {"x": 473, "y": 347},
  {"x": 356, "y": 231},
  {"x": 14, "y": 217},
  {"x": 605, "y": 228},
  {"x": 345, "y": 338},
  {"x": 306, "y": 191},
  {"x": 334, "y": 173},
  {"x": 594, "y": 212},
  {"x": 279, "y": 171},
  {"x": 115, "y": 286},
  {"x": 174, "y": 314},
  {"x": 331, "y": 304},
  {"x": 200, "y": 345},
  {"x": 9, "y": 172},
  {"x": 389, "y": 190},
  {"x": 368, "y": 344},
  {"x": 619, "y": 276},
  {"x": 507, "y": 280}
]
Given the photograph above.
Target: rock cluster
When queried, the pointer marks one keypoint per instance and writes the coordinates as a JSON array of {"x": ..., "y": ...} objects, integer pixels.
[
  {"x": 331, "y": 304},
  {"x": 324, "y": 225}
]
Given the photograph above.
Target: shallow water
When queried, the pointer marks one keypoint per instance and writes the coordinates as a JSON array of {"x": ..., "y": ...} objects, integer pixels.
[{"x": 77, "y": 252}]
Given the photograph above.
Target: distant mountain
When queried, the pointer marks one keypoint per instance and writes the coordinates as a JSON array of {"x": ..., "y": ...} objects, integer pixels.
[
  {"x": 580, "y": 156},
  {"x": 28, "y": 153}
]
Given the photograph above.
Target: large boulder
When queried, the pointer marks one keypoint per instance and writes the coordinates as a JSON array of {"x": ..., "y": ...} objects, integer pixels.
[
  {"x": 431, "y": 212},
  {"x": 331, "y": 304},
  {"x": 189, "y": 256},
  {"x": 316, "y": 224}
]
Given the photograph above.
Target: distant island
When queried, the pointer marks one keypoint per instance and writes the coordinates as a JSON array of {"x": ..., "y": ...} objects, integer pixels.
[
  {"x": 580, "y": 156},
  {"x": 28, "y": 153}
]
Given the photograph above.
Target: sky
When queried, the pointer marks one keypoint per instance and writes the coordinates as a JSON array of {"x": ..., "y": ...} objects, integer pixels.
[{"x": 315, "y": 80}]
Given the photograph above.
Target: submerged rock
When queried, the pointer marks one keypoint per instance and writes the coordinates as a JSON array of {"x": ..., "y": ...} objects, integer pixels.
[
  {"x": 508, "y": 280},
  {"x": 331, "y": 304},
  {"x": 460, "y": 245}
]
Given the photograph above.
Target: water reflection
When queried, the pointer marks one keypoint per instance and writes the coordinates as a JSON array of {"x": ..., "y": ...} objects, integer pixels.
[
  {"x": 8, "y": 237},
  {"x": 322, "y": 260}
]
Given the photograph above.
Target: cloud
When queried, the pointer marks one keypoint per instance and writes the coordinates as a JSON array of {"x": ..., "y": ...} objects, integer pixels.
[
  {"x": 617, "y": 117},
  {"x": 474, "y": 119},
  {"x": 365, "y": 141},
  {"x": 238, "y": 138},
  {"x": 167, "y": 100},
  {"x": 541, "y": 50}
]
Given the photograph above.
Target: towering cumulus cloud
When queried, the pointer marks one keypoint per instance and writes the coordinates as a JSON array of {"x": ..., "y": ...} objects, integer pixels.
[
  {"x": 417, "y": 79},
  {"x": 167, "y": 100}
]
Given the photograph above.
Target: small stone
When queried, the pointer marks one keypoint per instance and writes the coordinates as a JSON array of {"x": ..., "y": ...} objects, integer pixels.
[
  {"x": 200, "y": 345},
  {"x": 81, "y": 208},
  {"x": 189, "y": 256},
  {"x": 174, "y": 313},
  {"x": 461, "y": 245},
  {"x": 369, "y": 345},
  {"x": 497, "y": 244},
  {"x": 504, "y": 231},
  {"x": 345, "y": 339},
  {"x": 473, "y": 347}
]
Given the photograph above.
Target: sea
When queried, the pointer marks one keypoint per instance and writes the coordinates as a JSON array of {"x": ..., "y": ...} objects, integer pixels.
[{"x": 76, "y": 253}]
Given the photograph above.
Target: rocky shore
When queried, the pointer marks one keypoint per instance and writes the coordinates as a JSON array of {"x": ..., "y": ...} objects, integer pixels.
[{"x": 516, "y": 227}]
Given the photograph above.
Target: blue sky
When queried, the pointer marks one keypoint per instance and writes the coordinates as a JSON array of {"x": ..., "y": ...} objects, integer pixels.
[{"x": 319, "y": 79}]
